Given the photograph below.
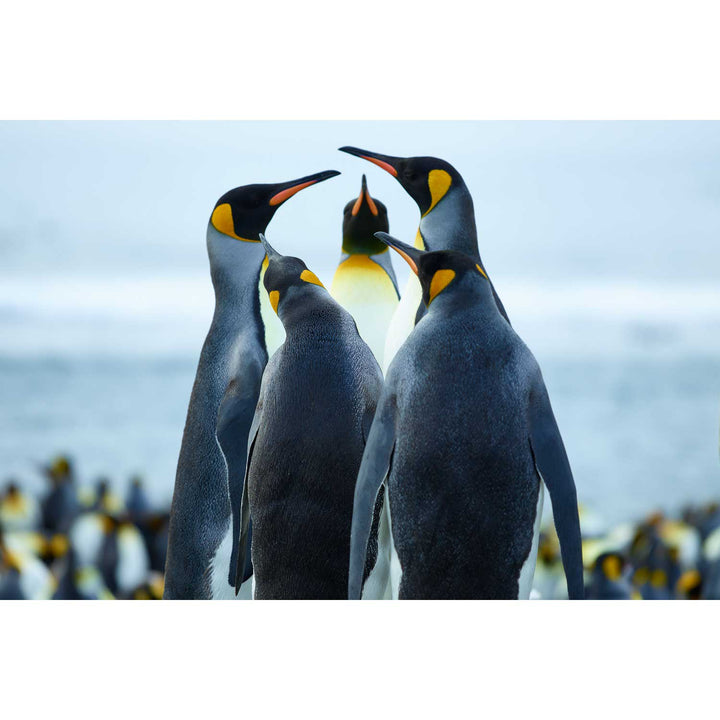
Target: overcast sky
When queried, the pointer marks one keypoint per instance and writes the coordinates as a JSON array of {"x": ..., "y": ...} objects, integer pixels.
[{"x": 553, "y": 200}]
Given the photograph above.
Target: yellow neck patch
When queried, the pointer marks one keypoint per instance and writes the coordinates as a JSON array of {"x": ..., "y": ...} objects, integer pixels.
[
  {"x": 688, "y": 580},
  {"x": 274, "y": 299},
  {"x": 439, "y": 182},
  {"x": 481, "y": 271},
  {"x": 222, "y": 221},
  {"x": 441, "y": 279},
  {"x": 310, "y": 277},
  {"x": 612, "y": 567}
]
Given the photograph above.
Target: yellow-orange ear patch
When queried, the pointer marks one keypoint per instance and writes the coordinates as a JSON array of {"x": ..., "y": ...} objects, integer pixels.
[
  {"x": 222, "y": 221},
  {"x": 441, "y": 279},
  {"x": 481, "y": 271},
  {"x": 439, "y": 182},
  {"x": 310, "y": 277},
  {"x": 612, "y": 567},
  {"x": 274, "y": 299}
]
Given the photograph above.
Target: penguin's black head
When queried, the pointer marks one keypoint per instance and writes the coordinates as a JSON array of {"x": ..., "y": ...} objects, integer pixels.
[
  {"x": 59, "y": 470},
  {"x": 362, "y": 218},
  {"x": 439, "y": 269},
  {"x": 245, "y": 212},
  {"x": 611, "y": 565},
  {"x": 286, "y": 275},
  {"x": 426, "y": 179}
]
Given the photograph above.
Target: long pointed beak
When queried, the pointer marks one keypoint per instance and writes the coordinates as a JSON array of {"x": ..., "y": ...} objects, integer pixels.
[
  {"x": 288, "y": 189},
  {"x": 410, "y": 254},
  {"x": 269, "y": 249},
  {"x": 386, "y": 162},
  {"x": 364, "y": 195}
]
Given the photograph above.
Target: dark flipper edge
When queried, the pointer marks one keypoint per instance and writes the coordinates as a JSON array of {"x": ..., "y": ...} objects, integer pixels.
[
  {"x": 372, "y": 473},
  {"x": 554, "y": 468}
]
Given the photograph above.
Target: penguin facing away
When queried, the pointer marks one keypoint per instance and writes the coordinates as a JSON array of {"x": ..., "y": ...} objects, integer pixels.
[
  {"x": 242, "y": 335},
  {"x": 447, "y": 222},
  {"x": 466, "y": 437},
  {"x": 61, "y": 505},
  {"x": 610, "y": 579},
  {"x": 317, "y": 401},
  {"x": 364, "y": 282}
]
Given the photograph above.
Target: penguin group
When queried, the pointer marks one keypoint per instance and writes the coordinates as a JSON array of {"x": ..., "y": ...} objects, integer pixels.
[
  {"x": 80, "y": 543},
  {"x": 656, "y": 558},
  {"x": 362, "y": 442}
]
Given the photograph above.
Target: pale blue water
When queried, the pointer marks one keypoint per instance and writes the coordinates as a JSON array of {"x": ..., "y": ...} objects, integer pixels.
[{"x": 103, "y": 371}]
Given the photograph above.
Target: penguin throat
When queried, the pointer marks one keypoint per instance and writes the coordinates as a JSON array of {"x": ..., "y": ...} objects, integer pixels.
[
  {"x": 366, "y": 246},
  {"x": 450, "y": 225}
]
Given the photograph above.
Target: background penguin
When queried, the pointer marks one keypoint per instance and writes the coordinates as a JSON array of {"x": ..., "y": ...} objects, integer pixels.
[
  {"x": 23, "y": 576},
  {"x": 137, "y": 503},
  {"x": 610, "y": 579},
  {"x": 18, "y": 510},
  {"x": 364, "y": 282},
  {"x": 466, "y": 436},
  {"x": 242, "y": 335},
  {"x": 123, "y": 558},
  {"x": 61, "y": 505},
  {"x": 316, "y": 404},
  {"x": 447, "y": 222},
  {"x": 105, "y": 500}
]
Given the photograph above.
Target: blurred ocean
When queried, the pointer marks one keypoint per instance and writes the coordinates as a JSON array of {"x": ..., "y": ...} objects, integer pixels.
[{"x": 102, "y": 369}]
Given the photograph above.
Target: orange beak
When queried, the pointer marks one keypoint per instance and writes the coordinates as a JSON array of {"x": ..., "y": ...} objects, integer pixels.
[
  {"x": 408, "y": 253},
  {"x": 383, "y": 161},
  {"x": 295, "y": 186},
  {"x": 364, "y": 194}
]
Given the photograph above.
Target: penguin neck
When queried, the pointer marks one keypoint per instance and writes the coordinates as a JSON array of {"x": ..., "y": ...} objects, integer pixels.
[
  {"x": 235, "y": 271},
  {"x": 353, "y": 260},
  {"x": 450, "y": 225},
  {"x": 312, "y": 317},
  {"x": 469, "y": 297}
]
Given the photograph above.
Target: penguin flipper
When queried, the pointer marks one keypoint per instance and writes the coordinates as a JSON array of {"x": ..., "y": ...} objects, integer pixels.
[
  {"x": 554, "y": 468},
  {"x": 242, "y": 526},
  {"x": 235, "y": 415},
  {"x": 373, "y": 470}
]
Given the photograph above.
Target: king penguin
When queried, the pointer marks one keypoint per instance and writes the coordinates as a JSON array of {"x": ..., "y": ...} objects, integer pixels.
[
  {"x": 317, "y": 400},
  {"x": 242, "y": 335},
  {"x": 466, "y": 437},
  {"x": 364, "y": 282},
  {"x": 447, "y": 222}
]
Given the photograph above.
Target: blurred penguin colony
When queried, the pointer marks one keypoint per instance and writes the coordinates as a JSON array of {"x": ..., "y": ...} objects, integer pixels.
[
  {"x": 88, "y": 543},
  {"x": 80, "y": 543},
  {"x": 360, "y": 442}
]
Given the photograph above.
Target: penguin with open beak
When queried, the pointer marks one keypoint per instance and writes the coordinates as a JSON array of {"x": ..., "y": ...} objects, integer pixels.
[
  {"x": 317, "y": 400},
  {"x": 447, "y": 222},
  {"x": 243, "y": 333},
  {"x": 464, "y": 438}
]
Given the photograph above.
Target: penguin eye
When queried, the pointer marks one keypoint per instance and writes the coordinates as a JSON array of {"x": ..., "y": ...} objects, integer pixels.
[{"x": 410, "y": 175}]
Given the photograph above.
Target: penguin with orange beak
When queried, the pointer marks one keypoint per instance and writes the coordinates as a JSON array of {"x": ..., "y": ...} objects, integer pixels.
[
  {"x": 463, "y": 440},
  {"x": 244, "y": 332},
  {"x": 364, "y": 282},
  {"x": 447, "y": 222}
]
